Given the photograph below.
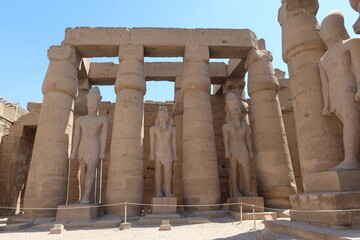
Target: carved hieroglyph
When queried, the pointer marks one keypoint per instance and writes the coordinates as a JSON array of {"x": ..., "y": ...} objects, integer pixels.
[
  {"x": 163, "y": 151},
  {"x": 89, "y": 145},
  {"x": 238, "y": 148},
  {"x": 340, "y": 78}
]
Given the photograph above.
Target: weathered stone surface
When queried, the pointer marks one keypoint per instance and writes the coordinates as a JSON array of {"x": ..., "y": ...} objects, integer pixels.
[
  {"x": 165, "y": 225},
  {"x": 77, "y": 213},
  {"x": 105, "y": 73},
  {"x": 124, "y": 226},
  {"x": 258, "y": 203},
  {"x": 333, "y": 181},
  {"x": 160, "y": 42},
  {"x": 164, "y": 209}
]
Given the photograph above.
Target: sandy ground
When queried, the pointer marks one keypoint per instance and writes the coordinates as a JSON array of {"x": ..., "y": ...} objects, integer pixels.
[{"x": 223, "y": 228}]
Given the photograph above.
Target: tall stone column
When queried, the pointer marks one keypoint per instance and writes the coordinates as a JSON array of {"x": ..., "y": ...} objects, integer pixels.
[
  {"x": 178, "y": 112},
  {"x": 48, "y": 174},
  {"x": 200, "y": 170},
  {"x": 275, "y": 177},
  {"x": 319, "y": 138},
  {"x": 287, "y": 112},
  {"x": 125, "y": 175}
]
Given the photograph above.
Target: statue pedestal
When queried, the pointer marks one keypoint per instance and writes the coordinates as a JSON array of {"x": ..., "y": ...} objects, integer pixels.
[
  {"x": 257, "y": 201},
  {"x": 330, "y": 192},
  {"x": 77, "y": 213},
  {"x": 161, "y": 210}
]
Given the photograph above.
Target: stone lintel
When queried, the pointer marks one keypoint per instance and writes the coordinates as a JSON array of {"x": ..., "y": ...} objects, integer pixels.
[
  {"x": 105, "y": 73},
  {"x": 160, "y": 42},
  {"x": 236, "y": 68}
]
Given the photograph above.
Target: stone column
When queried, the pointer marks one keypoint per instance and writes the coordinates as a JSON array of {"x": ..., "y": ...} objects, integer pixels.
[
  {"x": 178, "y": 112},
  {"x": 319, "y": 138},
  {"x": 48, "y": 174},
  {"x": 200, "y": 171},
  {"x": 275, "y": 177},
  {"x": 125, "y": 175},
  {"x": 287, "y": 112}
]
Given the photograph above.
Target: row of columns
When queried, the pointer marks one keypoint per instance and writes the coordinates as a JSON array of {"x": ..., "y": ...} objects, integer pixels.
[{"x": 200, "y": 179}]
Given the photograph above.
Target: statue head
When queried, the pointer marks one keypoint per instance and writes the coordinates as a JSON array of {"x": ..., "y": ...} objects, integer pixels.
[
  {"x": 93, "y": 99},
  {"x": 332, "y": 28},
  {"x": 233, "y": 107},
  {"x": 163, "y": 117}
]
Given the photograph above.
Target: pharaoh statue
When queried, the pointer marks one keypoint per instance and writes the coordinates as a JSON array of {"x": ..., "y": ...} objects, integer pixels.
[
  {"x": 238, "y": 147},
  {"x": 163, "y": 151},
  {"x": 89, "y": 145},
  {"x": 340, "y": 79}
]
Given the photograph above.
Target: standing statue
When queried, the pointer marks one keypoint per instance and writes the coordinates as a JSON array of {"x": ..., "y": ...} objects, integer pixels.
[
  {"x": 238, "y": 147},
  {"x": 163, "y": 151},
  {"x": 89, "y": 145},
  {"x": 340, "y": 79}
]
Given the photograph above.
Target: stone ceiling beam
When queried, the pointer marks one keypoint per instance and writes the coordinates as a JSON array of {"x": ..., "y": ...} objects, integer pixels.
[
  {"x": 160, "y": 42},
  {"x": 105, "y": 73}
]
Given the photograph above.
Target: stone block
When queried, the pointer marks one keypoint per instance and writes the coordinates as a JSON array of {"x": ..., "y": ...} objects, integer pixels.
[
  {"x": 15, "y": 226},
  {"x": 57, "y": 229},
  {"x": 165, "y": 225},
  {"x": 124, "y": 226},
  {"x": 332, "y": 181},
  {"x": 77, "y": 213},
  {"x": 169, "y": 205},
  {"x": 257, "y": 201},
  {"x": 249, "y": 216}
]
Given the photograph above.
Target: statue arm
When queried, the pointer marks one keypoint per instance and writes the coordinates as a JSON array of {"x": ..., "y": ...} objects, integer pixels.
[
  {"x": 174, "y": 143},
  {"x": 249, "y": 143},
  {"x": 103, "y": 138},
  {"x": 76, "y": 139},
  {"x": 325, "y": 90},
  {"x": 226, "y": 141},
  {"x": 354, "y": 46},
  {"x": 152, "y": 143}
]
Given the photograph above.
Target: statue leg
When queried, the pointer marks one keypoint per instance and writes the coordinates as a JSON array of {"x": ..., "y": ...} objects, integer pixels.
[
  {"x": 168, "y": 179},
  {"x": 158, "y": 178},
  {"x": 350, "y": 117},
  {"x": 246, "y": 172},
  {"x": 81, "y": 177},
  {"x": 233, "y": 175},
  {"x": 89, "y": 182}
]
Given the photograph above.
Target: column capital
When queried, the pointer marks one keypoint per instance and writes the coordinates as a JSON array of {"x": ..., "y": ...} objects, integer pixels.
[
  {"x": 196, "y": 53},
  {"x": 64, "y": 53},
  {"x": 129, "y": 51}
]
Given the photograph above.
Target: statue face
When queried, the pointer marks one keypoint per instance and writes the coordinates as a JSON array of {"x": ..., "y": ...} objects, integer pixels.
[
  {"x": 163, "y": 117},
  {"x": 92, "y": 105}
]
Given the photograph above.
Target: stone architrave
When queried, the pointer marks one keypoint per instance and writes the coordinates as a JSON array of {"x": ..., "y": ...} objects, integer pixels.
[
  {"x": 163, "y": 152},
  {"x": 48, "y": 175},
  {"x": 125, "y": 175},
  {"x": 275, "y": 175},
  {"x": 199, "y": 170},
  {"x": 89, "y": 145},
  {"x": 238, "y": 148},
  {"x": 319, "y": 137},
  {"x": 340, "y": 79}
]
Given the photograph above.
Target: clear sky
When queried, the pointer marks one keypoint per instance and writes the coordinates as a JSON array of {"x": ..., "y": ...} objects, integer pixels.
[{"x": 28, "y": 28}]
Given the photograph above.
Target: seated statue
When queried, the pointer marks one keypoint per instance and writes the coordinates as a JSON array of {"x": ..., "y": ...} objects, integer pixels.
[
  {"x": 163, "y": 151},
  {"x": 340, "y": 79},
  {"x": 238, "y": 147},
  {"x": 89, "y": 145}
]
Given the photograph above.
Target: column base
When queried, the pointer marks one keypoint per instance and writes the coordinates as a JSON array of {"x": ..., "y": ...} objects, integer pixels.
[
  {"x": 306, "y": 206},
  {"x": 77, "y": 213},
  {"x": 257, "y": 201},
  {"x": 161, "y": 210}
]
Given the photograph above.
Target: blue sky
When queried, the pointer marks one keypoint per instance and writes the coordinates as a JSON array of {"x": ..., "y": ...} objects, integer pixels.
[{"x": 29, "y": 27}]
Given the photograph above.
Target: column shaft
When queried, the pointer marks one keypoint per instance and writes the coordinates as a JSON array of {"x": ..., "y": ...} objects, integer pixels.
[
  {"x": 275, "y": 176},
  {"x": 47, "y": 180},
  {"x": 200, "y": 170},
  {"x": 125, "y": 175},
  {"x": 319, "y": 138}
]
